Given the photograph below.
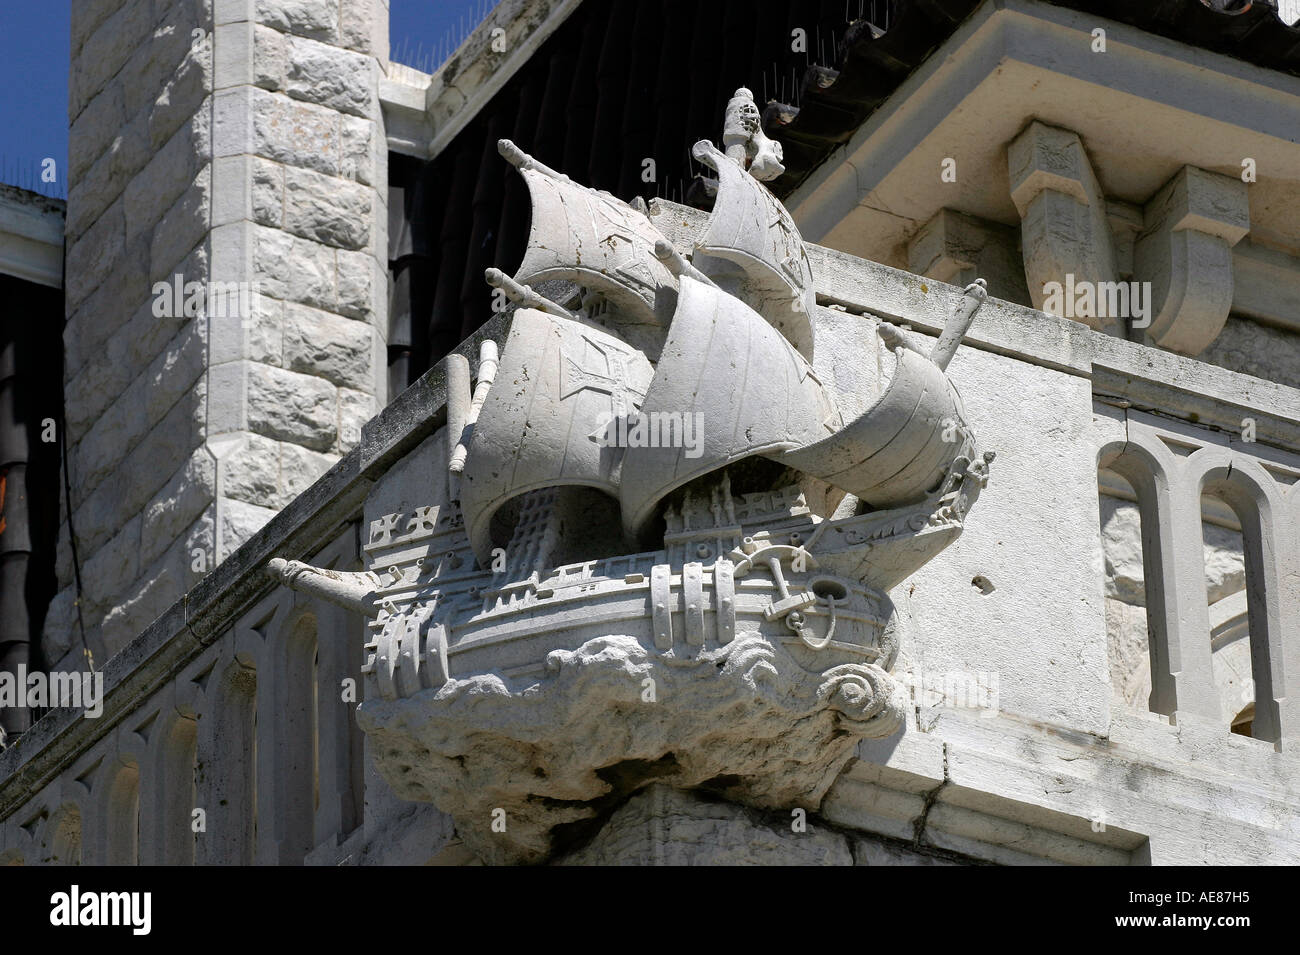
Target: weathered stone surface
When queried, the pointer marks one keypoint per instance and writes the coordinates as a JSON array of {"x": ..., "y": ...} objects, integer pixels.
[
  {"x": 326, "y": 209},
  {"x": 173, "y": 373},
  {"x": 1052, "y": 420},
  {"x": 957, "y": 248},
  {"x": 329, "y": 76},
  {"x": 1185, "y": 252},
  {"x": 111, "y": 437},
  {"x": 300, "y": 469},
  {"x": 264, "y": 331},
  {"x": 109, "y": 569},
  {"x": 1122, "y": 542},
  {"x": 169, "y": 174},
  {"x": 294, "y": 269},
  {"x": 91, "y": 193},
  {"x": 90, "y": 15},
  {"x": 294, "y": 132},
  {"x": 178, "y": 504},
  {"x": 144, "y": 403},
  {"x": 312, "y": 18},
  {"x": 101, "y": 315},
  {"x": 63, "y": 559},
  {"x": 60, "y": 619},
  {"x": 359, "y": 150},
  {"x": 359, "y": 280},
  {"x": 544, "y": 752},
  {"x": 160, "y": 587},
  {"x": 143, "y": 471},
  {"x": 664, "y": 826},
  {"x": 1258, "y": 350},
  {"x": 361, "y": 26},
  {"x": 355, "y": 409},
  {"x": 91, "y": 255},
  {"x": 186, "y": 561},
  {"x": 327, "y": 346},
  {"x": 92, "y": 133},
  {"x": 161, "y": 58},
  {"x": 270, "y": 58},
  {"x": 268, "y": 193},
  {"x": 1064, "y": 229},
  {"x": 252, "y": 471},
  {"x": 99, "y": 382},
  {"x": 292, "y": 407},
  {"x": 107, "y": 50},
  {"x": 182, "y": 95},
  {"x": 239, "y": 522},
  {"x": 105, "y": 173},
  {"x": 868, "y": 851},
  {"x": 1130, "y": 660},
  {"x": 185, "y": 224}
]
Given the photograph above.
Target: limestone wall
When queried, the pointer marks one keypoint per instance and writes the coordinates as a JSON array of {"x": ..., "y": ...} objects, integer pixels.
[{"x": 221, "y": 141}]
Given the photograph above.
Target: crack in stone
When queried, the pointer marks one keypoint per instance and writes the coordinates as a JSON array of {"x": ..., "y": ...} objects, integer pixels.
[{"x": 931, "y": 797}]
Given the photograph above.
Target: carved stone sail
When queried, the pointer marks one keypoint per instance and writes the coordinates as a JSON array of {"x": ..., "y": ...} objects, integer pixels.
[
  {"x": 753, "y": 250},
  {"x": 560, "y": 381},
  {"x": 589, "y": 237},
  {"x": 901, "y": 448},
  {"x": 753, "y": 392}
]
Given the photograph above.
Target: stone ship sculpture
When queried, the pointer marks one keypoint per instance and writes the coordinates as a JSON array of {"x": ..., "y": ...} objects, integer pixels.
[{"x": 661, "y": 551}]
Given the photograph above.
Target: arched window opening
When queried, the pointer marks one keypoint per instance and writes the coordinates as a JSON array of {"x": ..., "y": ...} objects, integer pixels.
[
  {"x": 179, "y": 792},
  {"x": 1243, "y": 721},
  {"x": 1242, "y": 597},
  {"x": 63, "y": 836},
  {"x": 230, "y": 771},
  {"x": 1226, "y": 600},
  {"x": 1127, "y": 631},
  {"x": 123, "y": 816},
  {"x": 299, "y": 743}
]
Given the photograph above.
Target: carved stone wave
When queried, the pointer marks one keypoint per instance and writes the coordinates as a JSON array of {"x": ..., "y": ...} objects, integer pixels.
[{"x": 517, "y": 764}]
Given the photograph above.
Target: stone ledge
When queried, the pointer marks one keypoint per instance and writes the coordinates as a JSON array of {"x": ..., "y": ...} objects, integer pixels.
[{"x": 1011, "y": 791}]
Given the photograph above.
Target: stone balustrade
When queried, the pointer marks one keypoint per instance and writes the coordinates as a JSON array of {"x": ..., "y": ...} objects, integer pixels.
[{"x": 248, "y": 754}]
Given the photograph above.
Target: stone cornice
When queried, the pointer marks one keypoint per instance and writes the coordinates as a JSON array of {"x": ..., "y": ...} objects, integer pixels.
[{"x": 31, "y": 236}]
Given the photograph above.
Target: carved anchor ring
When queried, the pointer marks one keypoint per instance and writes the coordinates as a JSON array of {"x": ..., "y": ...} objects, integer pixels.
[{"x": 796, "y": 623}]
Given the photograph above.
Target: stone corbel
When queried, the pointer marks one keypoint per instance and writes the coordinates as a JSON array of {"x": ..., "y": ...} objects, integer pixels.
[
  {"x": 1064, "y": 229},
  {"x": 1185, "y": 252}
]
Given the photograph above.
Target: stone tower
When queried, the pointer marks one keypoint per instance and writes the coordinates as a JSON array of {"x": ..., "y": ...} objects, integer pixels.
[{"x": 226, "y": 284}]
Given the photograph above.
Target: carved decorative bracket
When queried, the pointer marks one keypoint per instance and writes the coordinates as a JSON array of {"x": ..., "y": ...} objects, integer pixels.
[
  {"x": 1185, "y": 252},
  {"x": 1064, "y": 227}
]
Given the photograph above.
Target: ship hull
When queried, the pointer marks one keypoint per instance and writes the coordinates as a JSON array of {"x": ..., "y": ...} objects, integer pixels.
[{"x": 679, "y": 611}]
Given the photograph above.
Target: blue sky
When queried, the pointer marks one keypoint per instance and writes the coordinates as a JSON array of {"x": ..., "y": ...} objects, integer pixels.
[
  {"x": 34, "y": 74},
  {"x": 34, "y": 106}
]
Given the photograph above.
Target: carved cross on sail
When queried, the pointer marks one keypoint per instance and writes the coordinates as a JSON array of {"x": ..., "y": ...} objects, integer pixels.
[
  {"x": 558, "y": 378},
  {"x": 624, "y": 396}
]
